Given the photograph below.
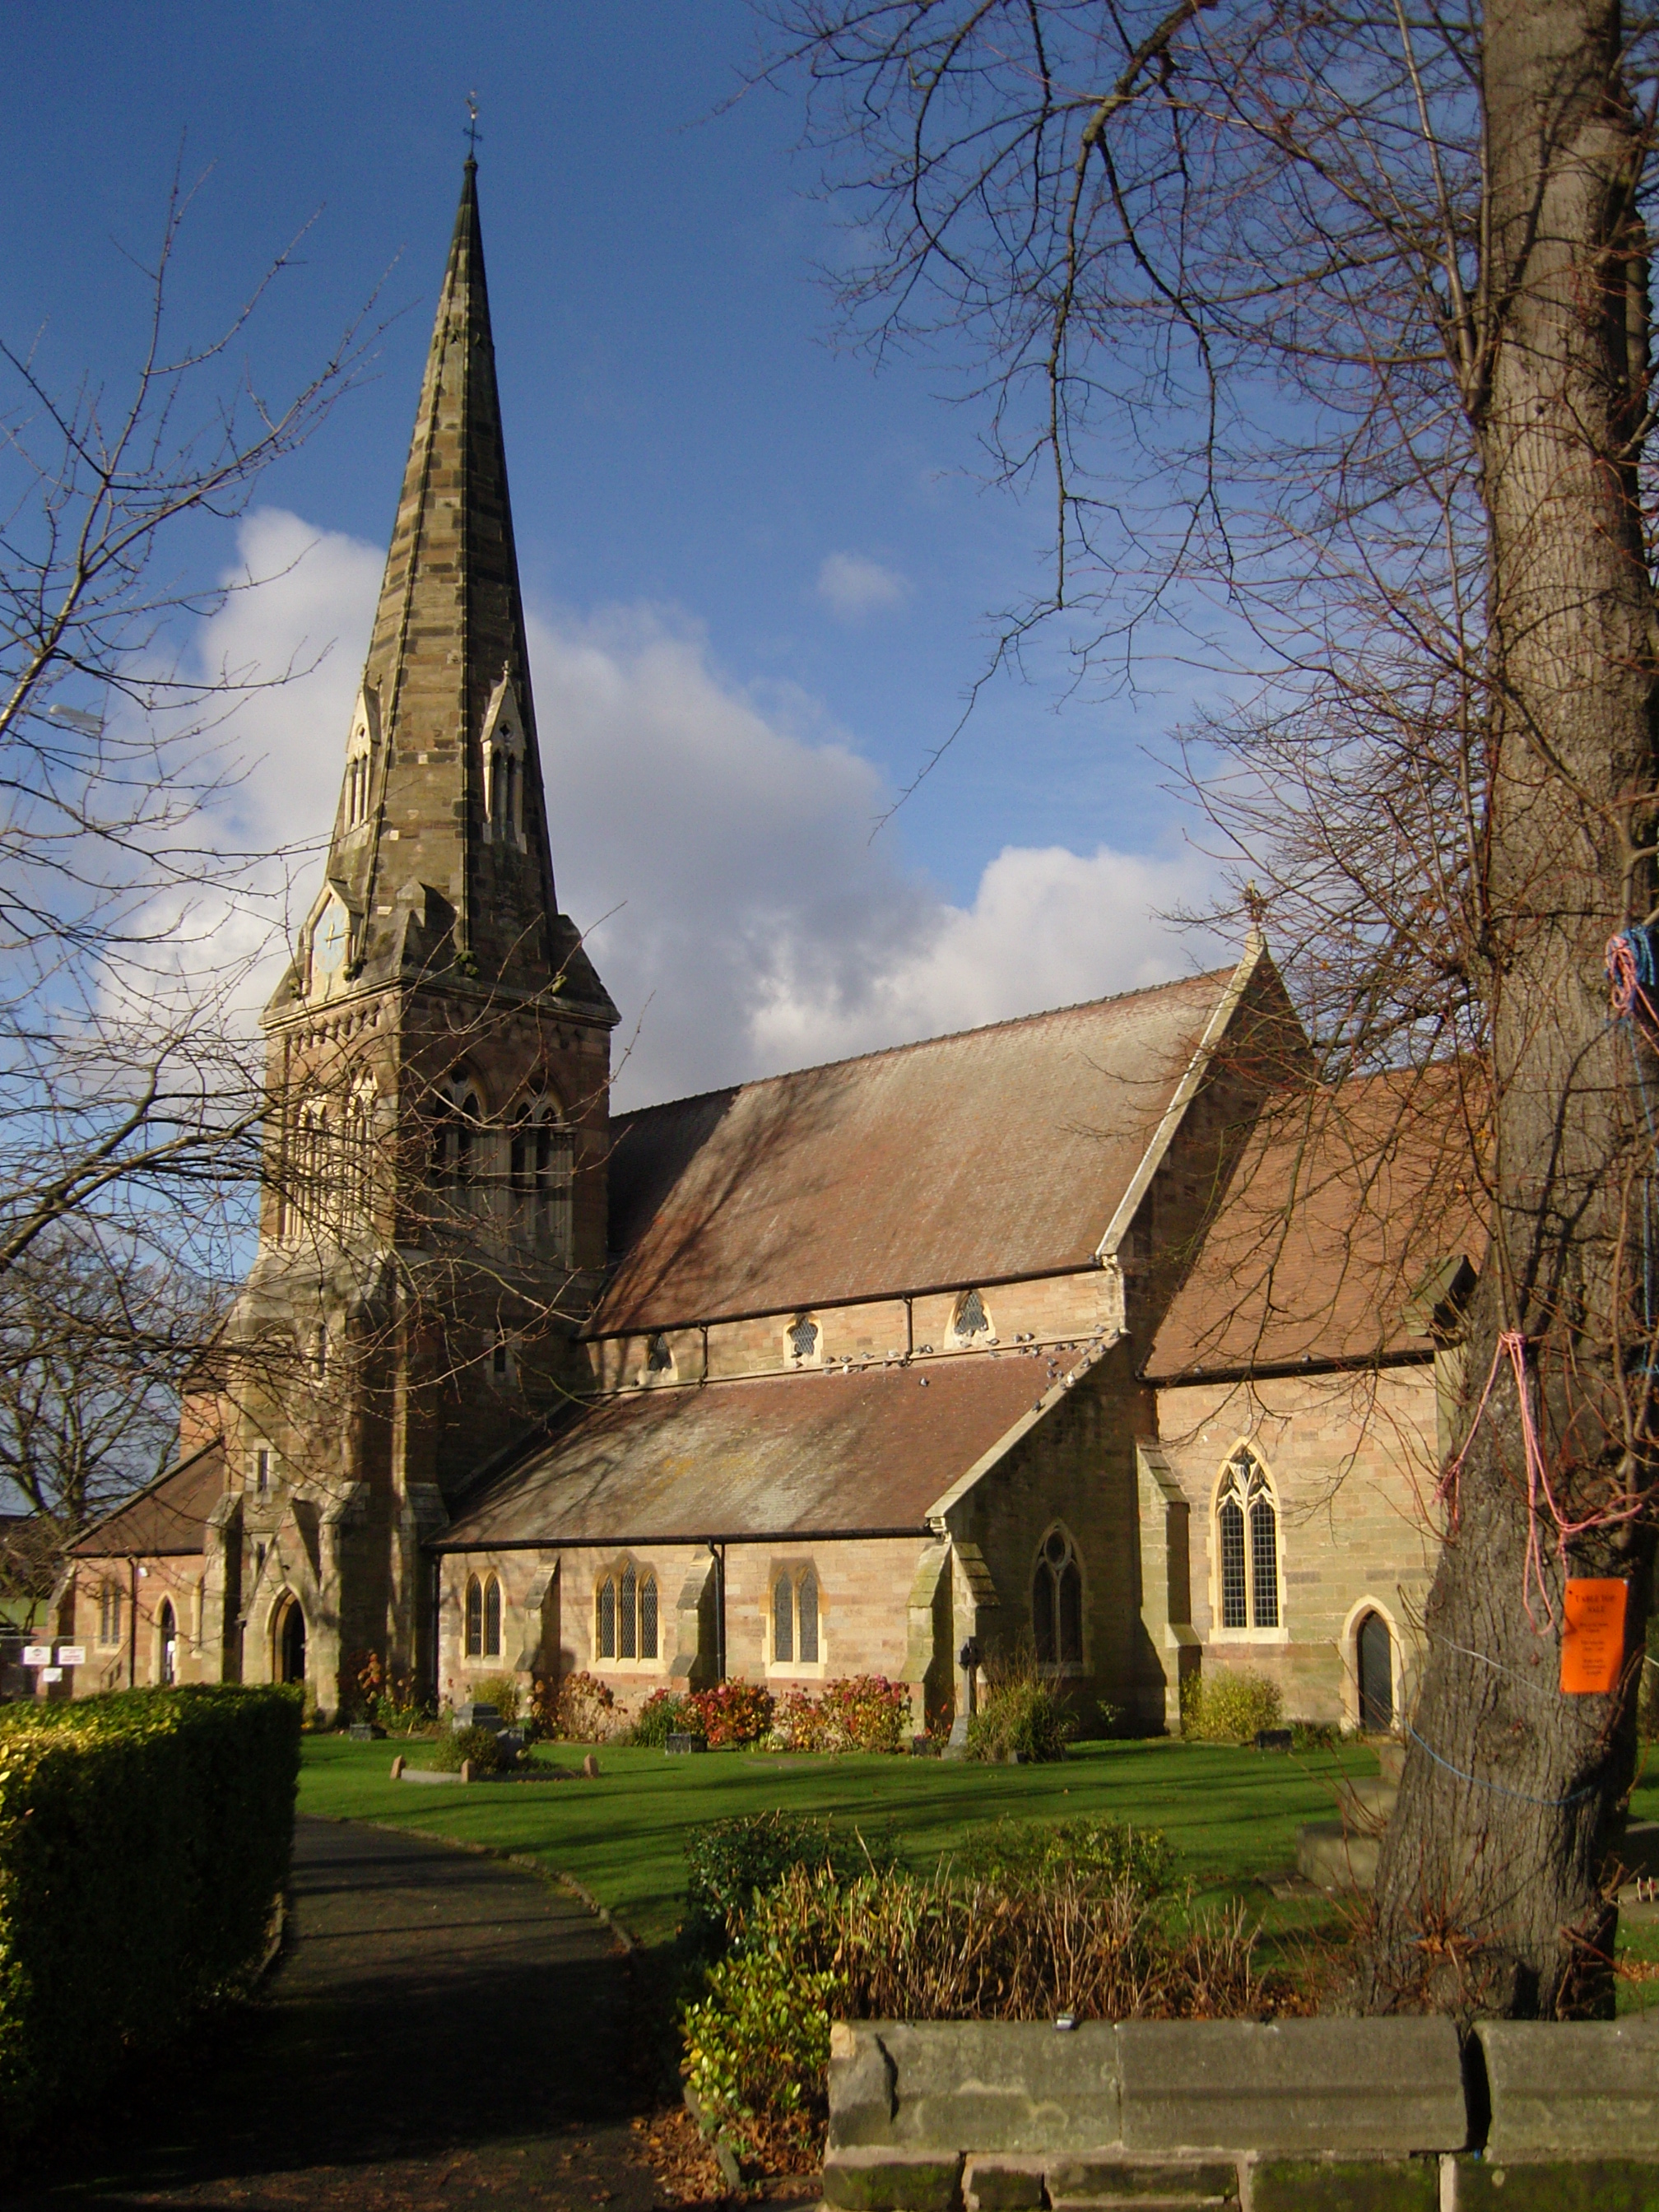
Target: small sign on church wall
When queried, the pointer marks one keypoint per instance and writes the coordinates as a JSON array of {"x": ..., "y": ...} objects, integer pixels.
[
  {"x": 37, "y": 1655},
  {"x": 1592, "y": 1637},
  {"x": 71, "y": 1655},
  {"x": 51, "y": 1673}
]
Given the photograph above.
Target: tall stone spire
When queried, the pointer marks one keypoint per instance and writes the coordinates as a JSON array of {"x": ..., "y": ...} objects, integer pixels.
[{"x": 440, "y": 860}]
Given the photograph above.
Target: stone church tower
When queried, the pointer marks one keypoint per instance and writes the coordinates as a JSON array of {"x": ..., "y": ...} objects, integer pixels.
[{"x": 434, "y": 1223}]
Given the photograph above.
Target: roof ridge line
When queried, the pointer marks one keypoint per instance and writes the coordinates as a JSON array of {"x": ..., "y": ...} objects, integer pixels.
[{"x": 919, "y": 1044}]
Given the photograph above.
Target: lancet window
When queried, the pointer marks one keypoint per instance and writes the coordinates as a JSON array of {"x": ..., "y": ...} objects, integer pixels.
[
  {"x": 1057, "y": 1603},
  {"x": 541, "y": 1172},
  {"x": 1247, "y": 1545},
  {"x": 795, "y": 1617},
  {"x": 457, "y": 1140},
  {"x": 483, "y": 1617}
]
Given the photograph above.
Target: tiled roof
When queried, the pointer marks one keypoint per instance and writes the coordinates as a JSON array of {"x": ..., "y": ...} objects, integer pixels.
[
  {"x": 810, "y": 1453},
  {"x": 1001, "y": 1152},
  {"x": 169, "y": 1516},
  {"x": 1345, "y": 1204}
]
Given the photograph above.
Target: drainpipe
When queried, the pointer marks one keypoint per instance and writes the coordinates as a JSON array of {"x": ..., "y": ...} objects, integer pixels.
[
  {"x": 717, "y": 1553},
  {"x": 132, "y": 1623}
]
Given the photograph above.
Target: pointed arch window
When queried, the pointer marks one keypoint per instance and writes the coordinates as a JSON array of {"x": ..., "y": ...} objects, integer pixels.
[
  {"x": 359, "y": 1149},
  {"x": 458, "y": 1138},
  {"x": 971, "y": 1319},
  {"x": 1247, "y": 1545},
  {"x": 795, "y": 1617},
  {"x": 626, "y": 1613},
  {"x": 1057, "y": 1603},
  {"x": 541, "y": 1173},
  {"x": 503, "y": 766},
  {"x": 483, "y": 1617}
]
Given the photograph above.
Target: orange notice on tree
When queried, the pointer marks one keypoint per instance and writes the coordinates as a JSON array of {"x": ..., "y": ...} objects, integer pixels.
[{"x": 1592, "y": 1638}]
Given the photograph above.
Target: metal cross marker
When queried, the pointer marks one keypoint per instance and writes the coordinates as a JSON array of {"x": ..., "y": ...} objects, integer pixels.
[{"x": 472, "y": 126}]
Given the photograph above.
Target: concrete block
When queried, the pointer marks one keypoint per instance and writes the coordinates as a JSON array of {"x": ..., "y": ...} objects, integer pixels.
[
  {"x": 1329, "y": 2085},
  {"x": 1637, "y": 1851},
  {"x": 1567, "y": 2087},
  {"x": 1108, "y": 2178},
  {"x": 1554, "y": 2184},
  {"x": 1003, "y": 2184},
  {"x": 884, "y": 2178},
  {"x": 974, "y": 2085},
  {"x": 1347, "y": 2184},
  {"x": 1337, "y": 1857}
]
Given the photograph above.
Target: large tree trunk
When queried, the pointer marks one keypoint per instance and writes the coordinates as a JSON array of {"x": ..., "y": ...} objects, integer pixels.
[{"x": 1489, "y": 1896}]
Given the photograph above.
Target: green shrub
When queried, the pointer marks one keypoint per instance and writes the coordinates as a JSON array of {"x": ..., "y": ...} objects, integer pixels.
[
  {"x": 500, "y": 1691},
  {"x": 479, "y": 1745},
  {"x": 758, "y": 2050},
  {"x": 1021, "y": 1713},
  {"x": 1315, "y": 1735},
  {"x": 665, "y": 1713},
  {"x": 1228, "y": 1708},
  {"x": 1095, "y": 1854},
  {"x": 728, "y": 1861},
  {"x": 144, "y": 1837}
]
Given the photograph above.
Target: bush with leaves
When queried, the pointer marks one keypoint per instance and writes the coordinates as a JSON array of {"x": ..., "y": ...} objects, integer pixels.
[
  {"x": 585, "y": 1710},
  {"x": 665, "y": 1713},
  {"x": 1023, "y": 1714},
  {"x": 1101, "y": 1854},
  {"x": 728, "y": 1861},
  {"x": 144, "y": 1840},
  {"x": 1227, "y": 1707},
  {"x": 865, "y": 1712},
  {"x": 479, "y": 1747},
  {"x": 757, "y": 2054},
  {"x": 733, "y": 1712},
  {"x": 502, "y": 1691}
]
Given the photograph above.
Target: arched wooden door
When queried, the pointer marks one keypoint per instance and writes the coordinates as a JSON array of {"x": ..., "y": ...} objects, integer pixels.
[
  {"x": 1374, "y": 1649},
  {"x": 291, "y": 1643}
]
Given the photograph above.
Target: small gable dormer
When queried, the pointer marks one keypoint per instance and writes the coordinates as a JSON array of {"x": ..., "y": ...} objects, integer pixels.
[
  {"x": 362, "y": 749},
  {"x": 503, "y": 765}
]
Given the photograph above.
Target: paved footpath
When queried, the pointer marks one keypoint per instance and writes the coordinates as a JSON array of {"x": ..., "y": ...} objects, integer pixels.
[{"x": 446, "y": 2033}]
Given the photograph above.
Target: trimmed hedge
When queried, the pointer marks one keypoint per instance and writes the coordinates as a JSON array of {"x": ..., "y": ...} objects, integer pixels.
[{"x": 144, "y": 1840}]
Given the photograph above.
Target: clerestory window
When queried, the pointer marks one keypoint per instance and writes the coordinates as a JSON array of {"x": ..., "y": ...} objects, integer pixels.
[{"x": 971, "y": 1319}]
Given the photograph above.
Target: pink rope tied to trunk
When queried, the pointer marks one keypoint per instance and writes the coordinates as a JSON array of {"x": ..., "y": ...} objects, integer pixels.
[{"x": 1513, "y": 1347}]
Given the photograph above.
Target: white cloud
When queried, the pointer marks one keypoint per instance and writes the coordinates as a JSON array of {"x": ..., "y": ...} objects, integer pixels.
[
  {"x": 852, "y": 587},
  {"x": 715, "y": 841}
]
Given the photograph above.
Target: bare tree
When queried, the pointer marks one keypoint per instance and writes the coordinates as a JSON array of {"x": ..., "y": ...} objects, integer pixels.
[
  {"x": 1330, "y": 332},
  {"x": 126, "y": 1081}
]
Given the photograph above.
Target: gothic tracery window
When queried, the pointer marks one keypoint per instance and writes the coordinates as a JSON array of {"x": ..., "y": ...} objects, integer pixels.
[
  {"x": 625, "y": 1613},
  {"x": 804, "y": 1338},
  {"x": 541, "y": 1158},
  {"x": 971, "y": 1319},
  {"x": 457, "y": 1141},
  {"x": 1057, "y": 1603},
  {"x": 1247, "y": 1545}
]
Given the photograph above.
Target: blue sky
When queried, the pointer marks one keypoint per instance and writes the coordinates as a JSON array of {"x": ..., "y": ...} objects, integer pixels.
[{"x": 762, "y": 572}]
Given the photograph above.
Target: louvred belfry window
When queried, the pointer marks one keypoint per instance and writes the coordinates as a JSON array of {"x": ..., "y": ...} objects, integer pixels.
[{"x": 1247, "y": 1545}]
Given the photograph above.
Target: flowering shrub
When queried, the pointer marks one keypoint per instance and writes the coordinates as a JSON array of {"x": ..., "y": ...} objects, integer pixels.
[
  {"x": 541, "y": 1718},
  {"x": 731, "y": 1712},
  {"x": 376, "y": 1691},
  {"x": 865, "y": 1713},
  {"x": 585, "y": 1709},
  {"x": 665, "y": 1713}
]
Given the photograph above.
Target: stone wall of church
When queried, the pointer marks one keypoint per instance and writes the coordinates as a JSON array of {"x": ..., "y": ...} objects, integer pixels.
[
  {"x": 1073, "y": 1472},
  {"x": 80, "y": 1618},
  {"x": 1351, "y": 1460}
]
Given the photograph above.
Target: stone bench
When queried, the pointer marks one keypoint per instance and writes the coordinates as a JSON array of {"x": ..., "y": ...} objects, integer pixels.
[{"x": 1325, "y": 2115}]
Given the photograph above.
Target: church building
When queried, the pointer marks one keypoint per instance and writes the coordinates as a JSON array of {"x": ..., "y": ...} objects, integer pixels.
[{"x": 1102, "y": 1336}]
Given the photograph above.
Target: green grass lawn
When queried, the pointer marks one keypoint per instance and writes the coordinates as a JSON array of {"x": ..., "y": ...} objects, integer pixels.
[{"x": 1231, "y": 1815}]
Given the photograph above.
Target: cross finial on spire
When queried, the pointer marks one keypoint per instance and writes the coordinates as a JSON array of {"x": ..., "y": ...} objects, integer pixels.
[{"x": 472, "y": 127}]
